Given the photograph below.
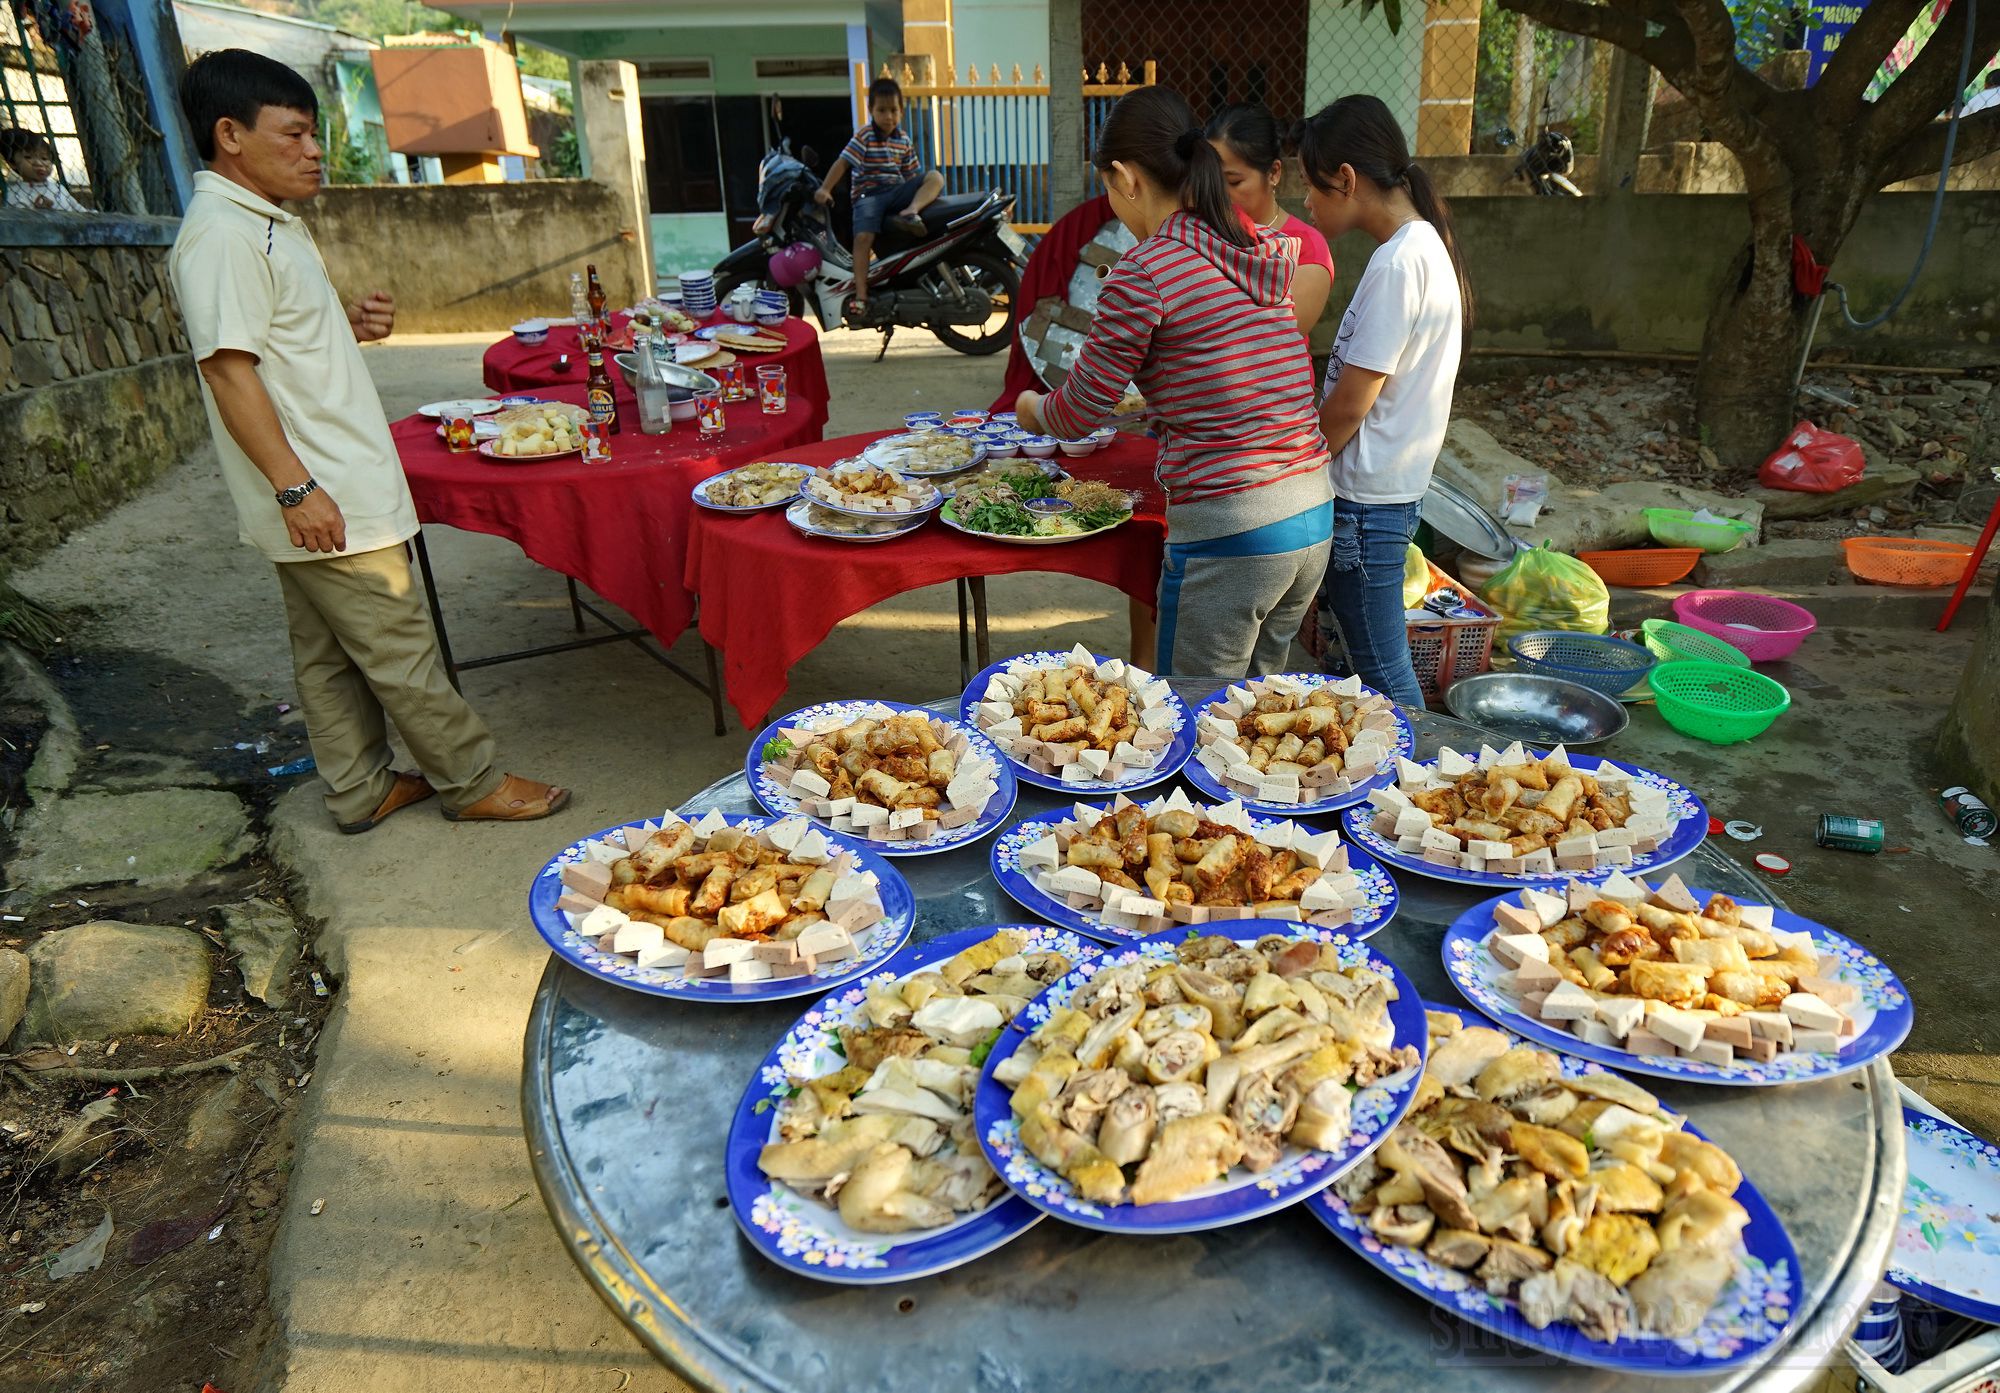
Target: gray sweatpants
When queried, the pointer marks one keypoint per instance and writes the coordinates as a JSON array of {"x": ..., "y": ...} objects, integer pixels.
[{"x": 1234, "y": 616}]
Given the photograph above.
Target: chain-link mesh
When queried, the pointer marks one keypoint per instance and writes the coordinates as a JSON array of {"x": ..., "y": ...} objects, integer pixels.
[
  {"x": 1463, "y": 77},
  {"x": 69, "y": 73}
]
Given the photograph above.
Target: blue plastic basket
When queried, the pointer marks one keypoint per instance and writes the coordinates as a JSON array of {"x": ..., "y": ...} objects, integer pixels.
[{"x": 1605, "y": 664}]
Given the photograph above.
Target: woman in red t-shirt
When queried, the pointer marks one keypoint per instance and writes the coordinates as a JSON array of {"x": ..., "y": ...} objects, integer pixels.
[{"x": 1252, "y": 165}]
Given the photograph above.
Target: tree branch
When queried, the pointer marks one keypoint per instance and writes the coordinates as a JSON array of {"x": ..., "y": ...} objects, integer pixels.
[
  {"x": 1922, "y": 153},
  {"x": 1729, "y": 96},
  {"x": 1862, "y": 49},
  {"x": 1623, "y": 25},
  {"x": 1928, "y": 84}
]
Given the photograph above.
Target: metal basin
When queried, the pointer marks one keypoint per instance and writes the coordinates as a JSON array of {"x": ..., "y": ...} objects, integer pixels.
[
  {"x": 1535, "y": 709},
  {"x": 682, "y": 383}
]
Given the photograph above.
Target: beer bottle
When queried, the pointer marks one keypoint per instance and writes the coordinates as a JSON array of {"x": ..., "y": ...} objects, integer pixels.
[
  {"x": 596, "y": 298},
  {"x": 598, "y": 394}
]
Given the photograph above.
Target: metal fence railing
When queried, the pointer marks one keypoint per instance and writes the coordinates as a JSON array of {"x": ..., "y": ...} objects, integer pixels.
[
  {"x": 994, "y": 133},
  {"x": 71, "y": 74},
  {"x": 1463, "y": 76}
]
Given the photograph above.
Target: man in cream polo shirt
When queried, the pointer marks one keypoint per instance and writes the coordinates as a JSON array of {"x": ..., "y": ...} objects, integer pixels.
[{"x": 307, "y": 456}]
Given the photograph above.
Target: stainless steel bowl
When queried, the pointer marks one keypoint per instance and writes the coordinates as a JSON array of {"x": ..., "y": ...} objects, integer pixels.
[
  {"x": 1534, "y": 709},
  {"x": 682, "y": 383}
]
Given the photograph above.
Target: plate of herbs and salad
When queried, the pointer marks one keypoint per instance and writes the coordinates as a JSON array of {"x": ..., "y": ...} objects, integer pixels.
[{"x": 1022, "y": 504}]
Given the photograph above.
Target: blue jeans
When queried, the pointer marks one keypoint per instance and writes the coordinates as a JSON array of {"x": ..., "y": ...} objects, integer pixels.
[
  {"x": 873, "y": 209},
  {"x": 1363, "y": 594}
]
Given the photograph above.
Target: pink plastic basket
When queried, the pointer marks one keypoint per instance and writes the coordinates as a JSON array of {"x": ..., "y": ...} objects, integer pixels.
[{"x": 1775, "y": 629}]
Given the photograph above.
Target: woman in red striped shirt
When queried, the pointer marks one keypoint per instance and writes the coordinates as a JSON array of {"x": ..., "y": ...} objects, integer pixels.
[{"x": 1199, "y": 316}]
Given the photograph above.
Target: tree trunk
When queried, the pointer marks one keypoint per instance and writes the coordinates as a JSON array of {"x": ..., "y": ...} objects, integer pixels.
[{"x": 1756, "y": 328}]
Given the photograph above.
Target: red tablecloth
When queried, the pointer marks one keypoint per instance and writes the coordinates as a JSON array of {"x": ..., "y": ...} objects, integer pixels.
[
  {"x": 511, "y": 366},
  {"x": 620, "y": 527},
  {"x": 769, "y": 594}
]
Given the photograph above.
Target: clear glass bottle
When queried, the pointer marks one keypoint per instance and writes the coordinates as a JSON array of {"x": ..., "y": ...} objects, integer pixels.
[{"x": 650, "y": 387}]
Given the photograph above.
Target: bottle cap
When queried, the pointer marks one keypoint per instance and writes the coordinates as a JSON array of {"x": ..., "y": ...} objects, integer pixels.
[{"x": 1773, "y": 864}]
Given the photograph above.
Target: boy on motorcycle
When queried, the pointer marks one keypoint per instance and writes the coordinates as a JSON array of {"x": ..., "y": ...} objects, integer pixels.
[{"x": 888, "y": 177}]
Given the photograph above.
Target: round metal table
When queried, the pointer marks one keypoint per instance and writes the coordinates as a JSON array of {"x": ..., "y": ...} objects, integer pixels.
[{"x": 627, "y": 1100}]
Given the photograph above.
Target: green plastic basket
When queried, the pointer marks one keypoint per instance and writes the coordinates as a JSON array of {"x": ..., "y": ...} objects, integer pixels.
[
  {"x": 1673, "y": 642},
  {"x": 1676, "y": 527},
  {"x": 1716, "y": 702}
]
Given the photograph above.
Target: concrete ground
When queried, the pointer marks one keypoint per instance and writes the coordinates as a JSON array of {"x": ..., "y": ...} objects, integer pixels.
[{"x": 432, "y": 1265}]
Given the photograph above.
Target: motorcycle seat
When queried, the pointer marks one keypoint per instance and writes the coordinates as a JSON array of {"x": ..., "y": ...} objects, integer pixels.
[{"x": 944, "y": 210}]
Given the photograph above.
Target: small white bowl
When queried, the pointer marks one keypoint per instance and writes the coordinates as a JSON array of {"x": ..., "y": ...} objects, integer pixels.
[
  {"x": 772, "y": 319},
  {"x": 1041, "y": 447},
  {"x": 532, "y": 331},
  {"x": 1077, "y": 449},
  {"x": 1104, "y": 435},
  {"x": 681, "y": 410},
  {"x": 1002, "y": 449}
]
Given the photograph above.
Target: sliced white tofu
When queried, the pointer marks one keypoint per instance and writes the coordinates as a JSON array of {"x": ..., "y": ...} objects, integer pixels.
[
  {"x": 1678, "y": 1028},
  {"x": 1041, "y": 853},
  {"x": 1585, "y": 845},
  {"x": 1620, "y": 1014},
  {"x": 1550, "y": 909},
  {"x": 1567, "y": 1001},
  {"x": 664, "y": 955},
  {"x": 722, "y": 952},
  {"x": 635, "y": 936},
  {"x": 1815, "y": 1042},
  {"x": 1514, "y": 949},
  {"x": 1075, "y": 880},
  {"x": 1808, "y": 1012},
  {"x": 1622, "y": 888},
  {"x": 1437, "y": 839},
  {"x": 808, "y": 784},
  {"x": 1770, "y": 1025},
  {"x": 1412, "y": 822},
  {"x": 1316, "y": 848},
  {"x": 749, "y": 970},
  {"x": 601, "y": 921},
  {"x": 1453, "y": 765}
]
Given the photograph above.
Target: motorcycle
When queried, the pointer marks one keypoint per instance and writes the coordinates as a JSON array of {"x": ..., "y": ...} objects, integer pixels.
[
  {"x": 959, "y": 280},
  {"x": 1546, "y": 164}
]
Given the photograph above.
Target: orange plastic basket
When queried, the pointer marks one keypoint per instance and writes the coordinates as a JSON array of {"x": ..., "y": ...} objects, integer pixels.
[
  {"x": 1906, "y": 560},
  {"x": 1642, "y": 566}
]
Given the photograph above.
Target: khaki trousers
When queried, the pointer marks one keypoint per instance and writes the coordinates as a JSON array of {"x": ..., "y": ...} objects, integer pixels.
[{"x": 364, "y": 654}]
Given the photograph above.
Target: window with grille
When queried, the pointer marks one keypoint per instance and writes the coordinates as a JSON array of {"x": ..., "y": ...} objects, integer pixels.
[{"x": 34, "y": 97}]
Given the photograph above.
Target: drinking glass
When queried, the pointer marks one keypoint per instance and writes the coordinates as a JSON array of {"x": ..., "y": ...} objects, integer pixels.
[
  {"x": 708, "y": 411},
  {"x": 771, "y": 388}
]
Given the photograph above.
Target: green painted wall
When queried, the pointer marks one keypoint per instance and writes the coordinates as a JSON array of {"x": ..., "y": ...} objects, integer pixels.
[
  {"x": 1349, "y": 49},
  {"x": 687, "y": 242}
]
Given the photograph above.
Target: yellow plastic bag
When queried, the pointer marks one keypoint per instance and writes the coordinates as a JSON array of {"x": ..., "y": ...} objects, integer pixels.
[
  {"x": 1544, "y": 589},
  {"x": 1416, "y": 577}
]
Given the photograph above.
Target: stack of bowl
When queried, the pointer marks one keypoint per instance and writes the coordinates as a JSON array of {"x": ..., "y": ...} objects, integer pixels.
[
  {"x": 771, "y": 307},
  {"x": 698, "y": 294}
]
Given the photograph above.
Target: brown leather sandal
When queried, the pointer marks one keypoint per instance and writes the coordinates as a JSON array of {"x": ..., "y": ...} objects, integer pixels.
[
  {"x": 410, "y": 787},
  {"x": 516, "y": 800}
]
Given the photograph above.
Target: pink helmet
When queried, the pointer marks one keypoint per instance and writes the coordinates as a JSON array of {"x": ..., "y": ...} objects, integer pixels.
[{"x": 794, "y": 265}]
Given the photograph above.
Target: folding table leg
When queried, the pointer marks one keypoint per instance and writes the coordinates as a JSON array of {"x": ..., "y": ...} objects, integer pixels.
[
  {"x": 437, "y": 613},
  {"x": 575, "y": 604},
  {"x": 964, "y": 651},
  {"x": 979, "y": 621},
  {"x": 1972, "y": 565},
  {"x": 714, "y": 687}
]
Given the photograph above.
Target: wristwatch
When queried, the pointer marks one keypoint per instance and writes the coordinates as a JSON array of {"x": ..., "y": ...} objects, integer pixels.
[{"x": 296, "y": 494}]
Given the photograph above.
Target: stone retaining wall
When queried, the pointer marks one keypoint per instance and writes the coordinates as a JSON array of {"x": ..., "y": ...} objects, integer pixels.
[{"x": 97, "y": 394}]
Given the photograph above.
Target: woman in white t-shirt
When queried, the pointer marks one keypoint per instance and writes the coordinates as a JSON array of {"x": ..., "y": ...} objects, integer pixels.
[{"x": 1389, "y": 381}]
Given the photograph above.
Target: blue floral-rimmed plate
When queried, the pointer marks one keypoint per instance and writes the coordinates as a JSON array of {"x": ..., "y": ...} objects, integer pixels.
[
  {"x": 1372, "y": 916},
  {"x": 1882, "y": 1024},
  {"x": 702, "y": 499},
  {"x": 807, "y": 1237},
  {"x": 1241, "y": 1195},
  {"x": 834, "y": 713},
  {"x": 1947, "y": 1248},
  {"x": 1406, "y": 745},
  {"x": 1690, "y": 826},
  {"x": 1750, "y": 1316},
  {"x": 800, "y": 514},
  {"x": 881, "y": 940},
  {"x": 1171, "y": 758}
]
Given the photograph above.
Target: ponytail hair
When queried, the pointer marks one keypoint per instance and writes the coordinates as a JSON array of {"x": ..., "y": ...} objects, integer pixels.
[
  {"x": 1251, "y": 131},
  {"x": 1153, "y": 129},
  {"x": 1358, "y": 131}
]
